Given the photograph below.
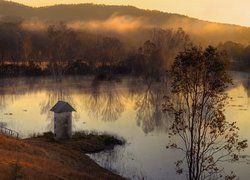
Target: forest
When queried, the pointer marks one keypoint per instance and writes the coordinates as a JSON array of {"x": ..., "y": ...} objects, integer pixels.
[
  {"x": 238, "y": 54},
  {"x": 117, "y": 40},
  {"x": 171, "y": 90},
  {"x": 60, "y": 50}
]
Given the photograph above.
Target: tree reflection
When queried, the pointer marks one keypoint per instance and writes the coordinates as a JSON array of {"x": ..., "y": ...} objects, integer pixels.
[
  {"x": 9, "y": 93},
  {"x": 93, "y": 103},
  {"x": 148, "y": 103},
  {"x": 57, "y": 91},
  {"x": 111, "y": 159},
  {"x": 2, "y": 102},
  {"x": 105, "y": 101},
  {"x": 113, "y": 105},
  {"x": 246, "y": 84}
]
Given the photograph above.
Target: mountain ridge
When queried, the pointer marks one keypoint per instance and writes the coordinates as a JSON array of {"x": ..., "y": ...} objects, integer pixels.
[
  {"x": 201, "y": 30},
  {"x": 82, "y": 5}
]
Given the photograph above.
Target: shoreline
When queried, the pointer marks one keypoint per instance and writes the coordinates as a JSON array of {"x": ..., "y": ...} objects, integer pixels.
[
  {"x": 41, "y": 157},
  {"x": 82, "y": 141}
]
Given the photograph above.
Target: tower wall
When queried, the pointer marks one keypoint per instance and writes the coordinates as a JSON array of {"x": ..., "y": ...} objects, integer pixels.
[{"x": 63, "y": 125}]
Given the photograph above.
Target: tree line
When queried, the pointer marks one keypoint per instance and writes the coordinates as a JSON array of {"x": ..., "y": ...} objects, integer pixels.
[
  {"x": 60, "y": 50},
  {"x": 239, "y": 55}
]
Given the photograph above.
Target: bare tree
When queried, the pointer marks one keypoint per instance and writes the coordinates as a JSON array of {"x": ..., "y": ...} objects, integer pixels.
[
  {"x": 169, "y": 42},
  {"x": 63, "y": 43},
  {"x": 152, "y": 62},
  {"x": 196, "y": 105},
  {"x": 26, "y": 48},
  {"x": 112, "y": 51},
  {"x": 2, "y": 53}
]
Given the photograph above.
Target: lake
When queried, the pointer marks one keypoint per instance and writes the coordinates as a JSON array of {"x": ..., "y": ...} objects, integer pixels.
[{"x": 129, "y": 108}]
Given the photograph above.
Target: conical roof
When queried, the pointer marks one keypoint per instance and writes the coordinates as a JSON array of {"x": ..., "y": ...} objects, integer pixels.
[{"x": 61, "y": 107}]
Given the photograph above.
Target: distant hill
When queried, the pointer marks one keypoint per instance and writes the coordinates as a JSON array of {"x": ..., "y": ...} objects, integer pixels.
[
  {"x": 201, "y": 31},
  {"x": 81, "y": 12}
]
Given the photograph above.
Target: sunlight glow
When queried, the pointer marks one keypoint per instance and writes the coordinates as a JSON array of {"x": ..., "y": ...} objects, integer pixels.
[{"x": 224, "y": 11}]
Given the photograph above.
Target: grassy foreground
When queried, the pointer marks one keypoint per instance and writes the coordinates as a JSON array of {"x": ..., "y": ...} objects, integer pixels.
[{"x": 42, "y": 158}]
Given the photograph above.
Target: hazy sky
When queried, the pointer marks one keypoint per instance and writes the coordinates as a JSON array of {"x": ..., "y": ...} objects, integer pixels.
[{"x": 227, "y": 11}]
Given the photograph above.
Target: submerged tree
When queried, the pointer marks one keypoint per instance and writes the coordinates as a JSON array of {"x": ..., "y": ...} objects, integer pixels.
[{"x": 198, "y": 98}]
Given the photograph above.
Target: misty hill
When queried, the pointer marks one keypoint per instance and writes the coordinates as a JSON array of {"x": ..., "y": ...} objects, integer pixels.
[
  {"x": 80, "y": 12},
  {"x": 201, "y": 31}
]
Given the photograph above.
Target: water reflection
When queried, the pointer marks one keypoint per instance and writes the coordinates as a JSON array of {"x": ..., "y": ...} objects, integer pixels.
[
  {"x": 107, "y": 101},
  {"x": 54, "y": 93},
  {"x": 238, "y": 99},
  {"x": 148, "y": 103},
  {"x": 246, "y": 84},
  {"x": 130, "y": 108},
  {"x": 104, "y": 101},
  {"x": 15, "y": 92},
  {"x": 2, "y": 102},
  {"x": 110, "y": 160},
  {"x": 93, "y": 104}
]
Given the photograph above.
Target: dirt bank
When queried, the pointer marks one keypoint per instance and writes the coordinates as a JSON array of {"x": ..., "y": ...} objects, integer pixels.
[{"x": 43, "y": 158}]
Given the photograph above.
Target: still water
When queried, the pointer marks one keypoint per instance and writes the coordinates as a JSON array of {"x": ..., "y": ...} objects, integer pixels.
[{"x": 128, "y": 108}]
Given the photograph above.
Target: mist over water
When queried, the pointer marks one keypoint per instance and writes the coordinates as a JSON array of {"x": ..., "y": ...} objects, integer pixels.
[
  {"x": 130, "y": 109},
  {"x": 113, "y": 64}
]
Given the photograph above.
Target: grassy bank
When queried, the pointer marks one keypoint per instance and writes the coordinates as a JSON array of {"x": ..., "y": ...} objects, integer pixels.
[
  {"x": 42, "y": 158},
  {"x": 85, "y": 142}
]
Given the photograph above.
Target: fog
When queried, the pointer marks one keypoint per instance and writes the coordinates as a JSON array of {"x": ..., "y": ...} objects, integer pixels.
[
  {"x": 116, "y": 23},
  {"x": 34, "y": 25},
  {"x": 136, "y": 28}
]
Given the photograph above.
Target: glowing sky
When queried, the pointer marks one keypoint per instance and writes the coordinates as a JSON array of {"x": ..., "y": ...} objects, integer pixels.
[{"x": 226, "y": 11}]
